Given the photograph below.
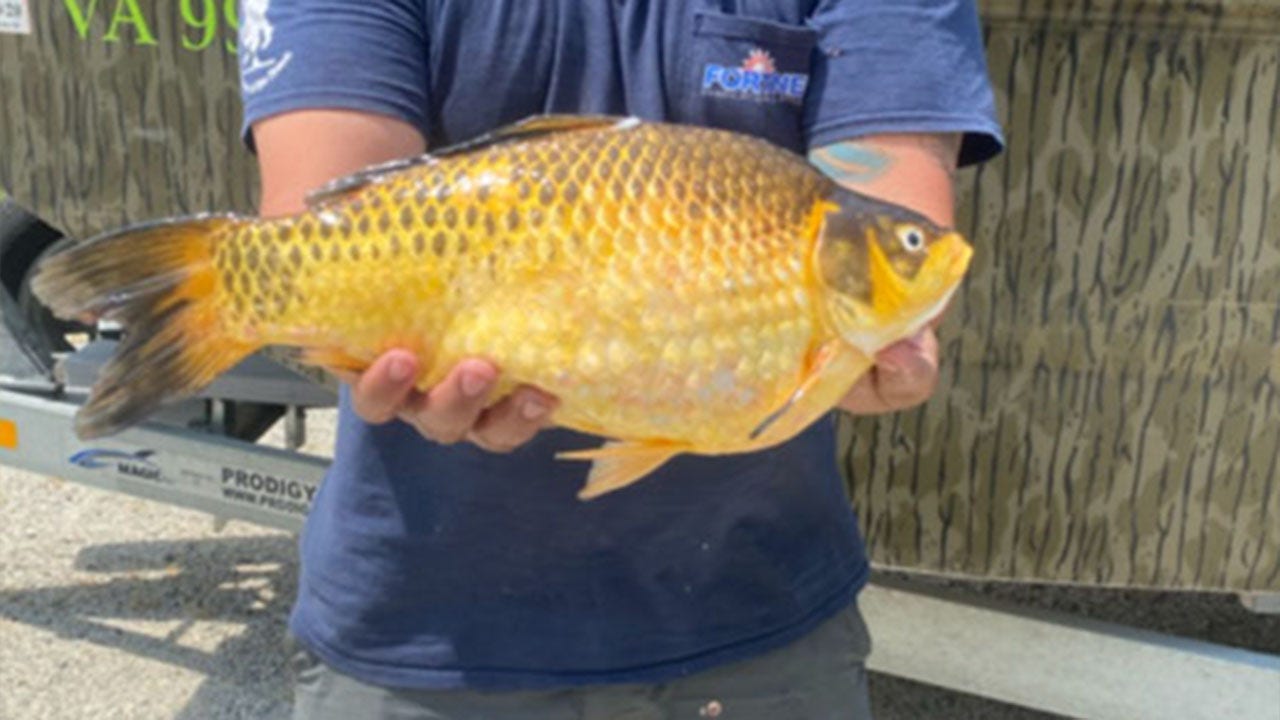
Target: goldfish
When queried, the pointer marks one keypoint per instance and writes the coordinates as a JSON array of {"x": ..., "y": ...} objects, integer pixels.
[{"x": 680, "y": 289}]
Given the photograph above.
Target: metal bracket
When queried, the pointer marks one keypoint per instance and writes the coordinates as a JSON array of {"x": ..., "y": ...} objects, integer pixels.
[
  {"x": 295, "y": 427},
  {"x": 1061, "y": 663},
  {"x": 21, "y": 367}
]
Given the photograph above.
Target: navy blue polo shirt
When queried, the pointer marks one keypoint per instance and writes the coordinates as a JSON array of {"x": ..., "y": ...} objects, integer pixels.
[{"x": 436, "y": 567}]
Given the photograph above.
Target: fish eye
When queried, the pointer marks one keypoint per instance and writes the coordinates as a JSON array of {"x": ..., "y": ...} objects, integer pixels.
[{"x": 911, "y": 237}]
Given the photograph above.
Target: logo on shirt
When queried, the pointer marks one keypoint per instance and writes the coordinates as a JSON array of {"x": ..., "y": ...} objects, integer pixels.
[
  {"x": 756, "y": 79},
  {"x": 257, "y": 67}
]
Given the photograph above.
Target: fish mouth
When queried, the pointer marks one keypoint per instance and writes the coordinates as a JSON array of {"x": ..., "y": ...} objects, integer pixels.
[
  {"x": 955, "y": 255},
  {"x": 958, "y": 253}
]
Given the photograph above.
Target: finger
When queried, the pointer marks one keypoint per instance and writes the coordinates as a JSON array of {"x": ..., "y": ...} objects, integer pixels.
[
  {"x": 447, "y": 412},
  {"x": 514, "y": 421},
  {"x": 379, "y": 392}
]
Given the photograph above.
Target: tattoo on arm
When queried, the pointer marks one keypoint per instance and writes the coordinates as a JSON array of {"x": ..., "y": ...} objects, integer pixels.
[
  {"x": 850, "y": 162},
  {"x": 853, "y": 162}
]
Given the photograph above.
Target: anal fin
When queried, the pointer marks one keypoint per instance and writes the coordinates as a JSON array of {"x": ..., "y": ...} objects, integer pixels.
[{"x": 616, "y": 465}]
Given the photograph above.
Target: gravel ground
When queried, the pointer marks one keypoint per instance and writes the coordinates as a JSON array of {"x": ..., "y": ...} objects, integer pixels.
[
  {"x": 112, "y": 607},
  {"x": 115, "y": 607}
]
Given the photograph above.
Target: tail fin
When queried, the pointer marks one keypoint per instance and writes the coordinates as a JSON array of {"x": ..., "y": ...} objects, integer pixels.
[{"x": 159, "y": 281}]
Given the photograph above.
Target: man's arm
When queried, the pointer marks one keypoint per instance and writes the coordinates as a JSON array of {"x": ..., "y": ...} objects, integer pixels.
[
  {"x": 916, "y": 171},
  {"x": 302, "y": 150}
]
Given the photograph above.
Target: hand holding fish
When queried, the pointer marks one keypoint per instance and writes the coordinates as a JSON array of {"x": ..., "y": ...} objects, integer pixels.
[
  {"x": 905, "y": 375},
  {"x": 457, "y": 408}
]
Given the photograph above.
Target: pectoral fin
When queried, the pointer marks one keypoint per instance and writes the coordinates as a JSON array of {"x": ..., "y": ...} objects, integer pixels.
[
  {"x": 832, "y": 369},
  {"x": 616, "y": 465}
]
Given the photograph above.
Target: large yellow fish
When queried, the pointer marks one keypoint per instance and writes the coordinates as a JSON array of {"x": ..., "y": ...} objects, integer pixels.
[{"x": 681, "y": 289}]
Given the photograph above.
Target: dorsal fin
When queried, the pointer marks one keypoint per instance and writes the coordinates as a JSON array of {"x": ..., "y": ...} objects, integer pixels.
[
  {"x": 347, "y": 184},
  {"x": 530, "y": 127},
  {"x": 537, "y": 126}
]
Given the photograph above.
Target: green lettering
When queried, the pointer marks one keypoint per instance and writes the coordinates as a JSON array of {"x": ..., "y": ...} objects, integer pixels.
[
  {"x": 78, "y": 16},
  {"x": 128, "y": 13},
  {"x": 233, "y": 21},
  {"x": 206, "y": 22}
]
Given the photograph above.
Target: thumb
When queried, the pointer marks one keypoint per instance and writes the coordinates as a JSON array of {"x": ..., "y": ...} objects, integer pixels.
[{"x": 907, "y": 371}]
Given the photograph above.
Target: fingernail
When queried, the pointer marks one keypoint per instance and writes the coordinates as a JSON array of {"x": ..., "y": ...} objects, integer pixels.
[
  {"x": 399, "y": 371},
  {"x": 473, "y": 384},
  {"x": 533, "y": 409}
]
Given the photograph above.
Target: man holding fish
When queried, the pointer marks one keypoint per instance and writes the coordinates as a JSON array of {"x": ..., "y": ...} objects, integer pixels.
[{"x": 448, "y": 570}]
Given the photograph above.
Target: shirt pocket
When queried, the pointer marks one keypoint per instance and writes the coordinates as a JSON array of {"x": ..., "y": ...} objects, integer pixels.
[{"x": 746, "y": 74}]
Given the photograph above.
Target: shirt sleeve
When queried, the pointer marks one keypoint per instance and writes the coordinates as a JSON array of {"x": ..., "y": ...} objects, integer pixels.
[
  {"x": 901, "y": 66},
  {"x": 368, "y": 55}
]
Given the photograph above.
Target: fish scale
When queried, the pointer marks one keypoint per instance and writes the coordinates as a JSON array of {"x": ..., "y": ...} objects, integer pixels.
[{"x": 679, "y": 289}]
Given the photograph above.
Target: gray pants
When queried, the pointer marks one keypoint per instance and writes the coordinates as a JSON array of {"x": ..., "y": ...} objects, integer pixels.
[{"x": 821, "y": 676}]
